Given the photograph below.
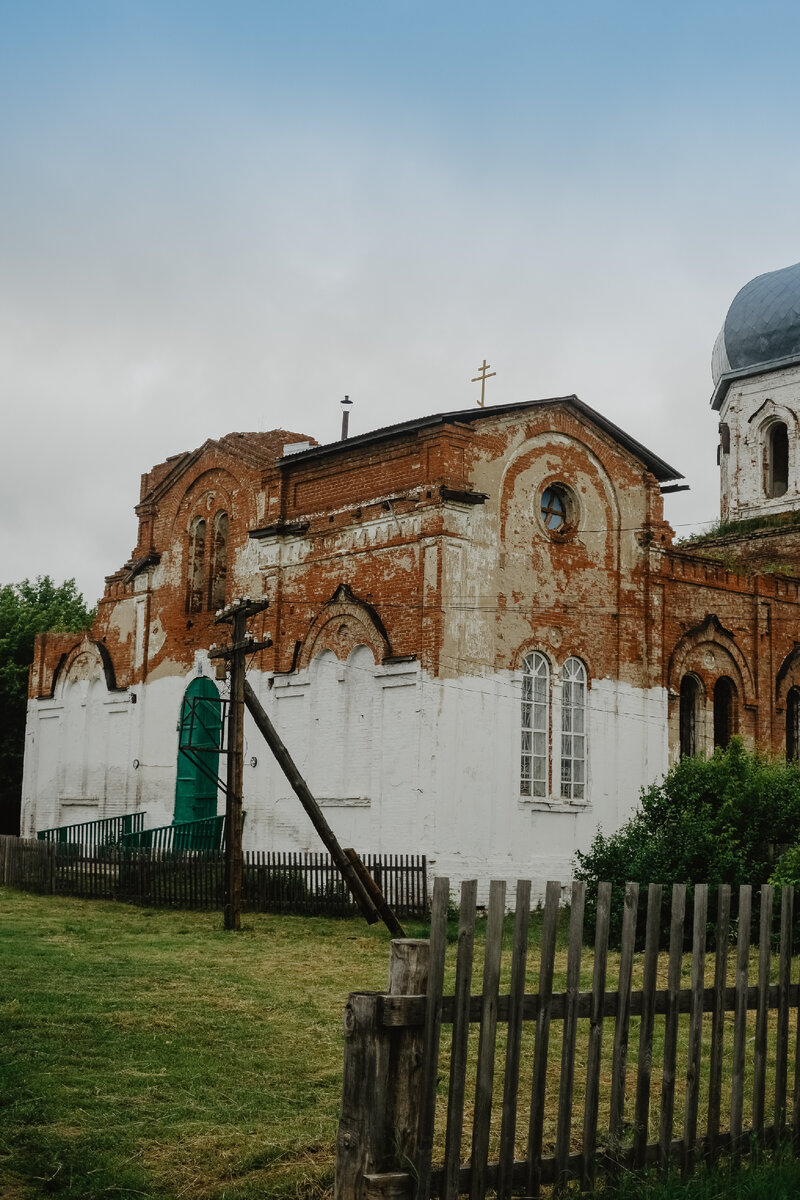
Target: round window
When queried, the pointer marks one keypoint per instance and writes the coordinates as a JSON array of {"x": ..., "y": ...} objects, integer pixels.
[{"x": 556, "y": 509}]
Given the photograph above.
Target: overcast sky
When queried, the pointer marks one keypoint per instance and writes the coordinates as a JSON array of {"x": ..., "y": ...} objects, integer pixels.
[{"x": 224, "y": 216}]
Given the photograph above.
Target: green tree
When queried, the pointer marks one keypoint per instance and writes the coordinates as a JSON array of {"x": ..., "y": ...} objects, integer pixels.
[
  {"x": 724, "y": 819},
  {"x": 27, "y": 609}
]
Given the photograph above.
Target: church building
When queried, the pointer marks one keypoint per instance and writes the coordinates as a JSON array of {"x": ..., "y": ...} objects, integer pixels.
[{"x": 484, "y": 639}]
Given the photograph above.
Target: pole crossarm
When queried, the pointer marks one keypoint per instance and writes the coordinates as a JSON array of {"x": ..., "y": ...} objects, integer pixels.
[
  {"x": 246, "y": 606},
  {"x": 248, "y": 646}
]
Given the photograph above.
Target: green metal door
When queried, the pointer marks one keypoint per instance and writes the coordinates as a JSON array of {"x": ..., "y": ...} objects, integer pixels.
[{"x": 199, "y": 732}]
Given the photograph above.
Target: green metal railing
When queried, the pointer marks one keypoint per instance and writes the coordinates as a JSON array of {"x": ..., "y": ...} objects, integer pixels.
[
  {"x": 108, "y": 832},
  {"x": 206, "y": 834}
]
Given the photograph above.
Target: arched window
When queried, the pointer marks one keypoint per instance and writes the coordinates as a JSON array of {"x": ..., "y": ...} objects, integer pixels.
[
  {"x": 534, "y": 756},
  {"x": 195, "y": 593},
  {"x": 776, "y": 460},
  {"x": 793, "y": 725},
  {"x": 724, "y": 711},
  {"x": 219, "y": 562},
  {"x": 573, "y": 730},
  {"x": 690, "y": 694}
]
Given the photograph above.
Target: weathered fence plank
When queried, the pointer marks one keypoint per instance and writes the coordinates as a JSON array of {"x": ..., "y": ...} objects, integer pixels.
[
  {"x": 566, "y": 1082},
  {"x": 593, "y": 1057},
  {"x": 516, "y": 998},
  {"x": 784, "y": 983},
  {"x": 762, "y": 1012},
  {"x": 433, "y": 1022},
  {"x": 408, "y": 976},
  {"x": 718, "y": 1018},
  {"x": 678, "y": 916},
  {"x": 740, "y": 1011},
  {"x": 645, "y": 1062},
  {"x": 458, "y": 1054},
  {"x": 623, "y": 1014},
  {"x": 488, "y": 1035},
  {"x": 541, "y": 1045},
  {"x": 695, "y": 1025}
]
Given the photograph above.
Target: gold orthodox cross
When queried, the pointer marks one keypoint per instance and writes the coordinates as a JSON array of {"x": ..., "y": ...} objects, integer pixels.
[{"x": 483, "y": 376}]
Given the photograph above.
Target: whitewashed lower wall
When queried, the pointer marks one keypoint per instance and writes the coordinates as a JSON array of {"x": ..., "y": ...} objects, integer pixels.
[{"x": 401, "y": 763}]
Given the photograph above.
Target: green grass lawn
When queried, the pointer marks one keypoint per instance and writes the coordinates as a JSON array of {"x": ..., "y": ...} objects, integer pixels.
[{"x": 148, "y": 1053}]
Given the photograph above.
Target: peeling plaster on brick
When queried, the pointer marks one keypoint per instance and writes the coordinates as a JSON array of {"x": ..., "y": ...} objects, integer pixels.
[
  {"x": 158, "y": 636},
  {"x": 167, "y": 669},
  {"x": 122, "y": 621}
]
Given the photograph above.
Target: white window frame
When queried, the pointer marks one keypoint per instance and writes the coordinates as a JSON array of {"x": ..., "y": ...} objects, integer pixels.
[
  {"x": 574, "y": 711},
  {"x": 534, "y": 778}
]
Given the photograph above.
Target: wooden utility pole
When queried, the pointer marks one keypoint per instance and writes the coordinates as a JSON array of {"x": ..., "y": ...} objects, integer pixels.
[
  {"x": 242, "y": 643},
  {"x": 365, "y": 891},
  {"x": 363, "y": 887}
]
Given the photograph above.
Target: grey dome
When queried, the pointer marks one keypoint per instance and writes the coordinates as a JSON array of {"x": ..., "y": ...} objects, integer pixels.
[{"x": 762, "y": 326}]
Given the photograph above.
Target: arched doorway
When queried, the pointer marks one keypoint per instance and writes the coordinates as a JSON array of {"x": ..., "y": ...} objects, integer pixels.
[
  {"x": 690, "y": 692},
  {"x": 724, "y": 711},
  {"x": 199, "y": 730},
  {"x": 793, "y": 725}
]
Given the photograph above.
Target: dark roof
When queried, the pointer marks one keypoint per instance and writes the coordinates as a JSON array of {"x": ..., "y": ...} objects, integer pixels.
[
  {"x": 661, "y": 469},
  {"x": 761, "y": 331}
]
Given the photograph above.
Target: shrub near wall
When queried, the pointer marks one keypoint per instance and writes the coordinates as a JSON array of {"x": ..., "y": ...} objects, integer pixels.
[{"x": 725, "y": 819}]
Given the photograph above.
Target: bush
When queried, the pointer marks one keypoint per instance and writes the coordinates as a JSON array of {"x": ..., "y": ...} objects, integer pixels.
[
  {"x": 725, "y": 819},
  {"x": 787, "y": 868}
]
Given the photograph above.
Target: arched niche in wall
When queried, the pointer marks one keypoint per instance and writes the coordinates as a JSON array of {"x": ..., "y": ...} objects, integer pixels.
[
  {"x": 707, "y": 654},
  {"x": 201, "y": 528},
  {"x": 83, "y": 685},
  {"x": 725, "y": 711},
  {"x": 344, "y": 724},
  {"x": 776, "y": 459},
  {"x": 787, "y": 702},
  {"x": 772, "y": 439},
  {"x": 709, "y": 650},
  {"x": 559, "y": 521},
  {"x": 691, "y": 698},
  {"x": 341, "y": 625},
  {"x": 209, "y": 492},
  {"x": 793, "y": 724},
  {"x": 86, "y": 661}
]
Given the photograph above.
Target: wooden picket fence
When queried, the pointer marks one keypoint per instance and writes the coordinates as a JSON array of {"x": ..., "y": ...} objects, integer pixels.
[
  {"x": 305, "y": 883},
  {"x": 422, "y": 1064}
]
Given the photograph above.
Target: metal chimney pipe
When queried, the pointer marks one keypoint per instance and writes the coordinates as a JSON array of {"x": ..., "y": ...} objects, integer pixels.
[{"x": 346, "y": 406}]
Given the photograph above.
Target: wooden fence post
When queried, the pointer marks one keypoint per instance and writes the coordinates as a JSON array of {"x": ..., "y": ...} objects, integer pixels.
[
  {"x": 376, "y": 1141},
  {"x": 408, "y": 976}
]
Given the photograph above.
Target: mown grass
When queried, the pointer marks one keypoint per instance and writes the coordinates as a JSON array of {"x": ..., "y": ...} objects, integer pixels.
[{"x": 149, "y": 1053}]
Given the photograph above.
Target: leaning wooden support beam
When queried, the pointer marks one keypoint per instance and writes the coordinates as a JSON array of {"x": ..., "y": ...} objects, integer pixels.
[
  {"x": 379, "y": 900},
  {"x": 301, "y": 790}
]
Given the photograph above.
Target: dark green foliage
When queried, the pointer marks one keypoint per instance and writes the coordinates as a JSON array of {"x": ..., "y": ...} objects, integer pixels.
[
  {"x": 740, "y": 528},
  {"x": 720, "y": 820},
  {"x": 26, "y": 609},
  {"x": 288, "y": 885},
  {"x": 787, "y": 868}
]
